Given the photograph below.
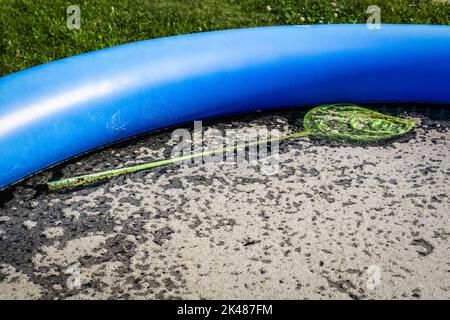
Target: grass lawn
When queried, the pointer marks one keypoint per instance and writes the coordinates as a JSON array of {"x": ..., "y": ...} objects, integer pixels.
[{"x": 34, "y": 31}]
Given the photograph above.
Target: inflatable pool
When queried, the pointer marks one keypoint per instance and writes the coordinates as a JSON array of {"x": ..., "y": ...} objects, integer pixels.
[{"x": 56, "y": 111}]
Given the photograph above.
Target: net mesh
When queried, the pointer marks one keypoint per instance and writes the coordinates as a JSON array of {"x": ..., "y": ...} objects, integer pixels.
[{"x": 349, "y": 122}]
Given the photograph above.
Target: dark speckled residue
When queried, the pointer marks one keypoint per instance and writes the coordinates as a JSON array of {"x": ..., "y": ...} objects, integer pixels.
[{"x": 316, "y": 229}]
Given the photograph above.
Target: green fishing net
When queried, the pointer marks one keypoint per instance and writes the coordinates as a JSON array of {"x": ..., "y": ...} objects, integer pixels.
[{"x": 338, "y": 122}]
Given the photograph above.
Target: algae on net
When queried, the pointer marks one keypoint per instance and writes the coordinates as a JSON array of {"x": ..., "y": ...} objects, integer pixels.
[{"x": 349, "y": 122}]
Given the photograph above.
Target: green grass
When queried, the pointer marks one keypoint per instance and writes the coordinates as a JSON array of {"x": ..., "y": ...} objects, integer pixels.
[{"x": 33, "y": 32}]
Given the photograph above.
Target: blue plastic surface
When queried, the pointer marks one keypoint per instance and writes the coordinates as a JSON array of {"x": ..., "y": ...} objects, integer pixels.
[{"x": 58, "y": 110}]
